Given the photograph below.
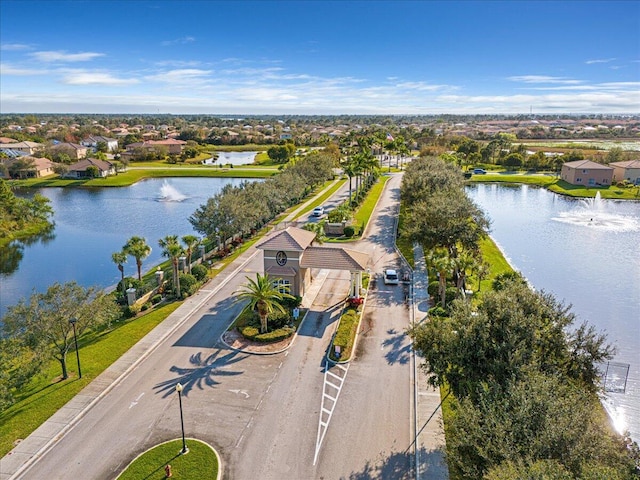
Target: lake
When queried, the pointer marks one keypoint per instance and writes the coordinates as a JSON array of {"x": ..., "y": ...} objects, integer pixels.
[
  {"x": 586, "y": 253},
  {"x": 233, "y": 158},
  {"x": 91, "y": 224}
]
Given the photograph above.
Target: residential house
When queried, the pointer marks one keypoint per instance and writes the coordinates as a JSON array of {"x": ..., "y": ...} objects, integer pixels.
[
  {"x": 27, "y": 147},
  {"x": 629, "y": 170},
  {"x": 172, "y": 146},
  {"x": 92, "y": 141},
  {"x": 79, "y": 169},
  {"x": 75, "y": 151},
  {"x": 586, "y": 173},
  {"x": 34, "y": 167}
]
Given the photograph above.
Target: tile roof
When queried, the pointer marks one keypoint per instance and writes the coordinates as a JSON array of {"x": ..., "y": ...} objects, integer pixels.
[
  {"x": 276, "y": 271},
  {"x": 291, "y": 239},
  {"x": 334, "y": 258},
  {"x": 626, "y": 164},
  {"x": 587, "y": 164}
]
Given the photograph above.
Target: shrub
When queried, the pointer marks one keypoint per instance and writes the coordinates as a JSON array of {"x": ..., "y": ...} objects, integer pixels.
[
  {"x": 349, "y": 231},
  {"x": 253, "y": 333},
  {"x": 278, "y": 320},
  {"x": 438, "y": 311},
  {"x": 291, "y": 303},
  {"x": 156, "y": 299},
  {"x": 451, "y": 294},
  {"x": 355, "y": 302},
  {"x": 131, "y": 311},
  {"x": 433, "y": 288},
  {"x": 145, "y": 306},
  {"x": 200, "y": 272},
  {"x": 188, "y": 284}
]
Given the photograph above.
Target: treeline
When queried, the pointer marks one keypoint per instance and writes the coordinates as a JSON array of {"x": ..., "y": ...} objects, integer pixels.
[
  {"x": 237, "y": 210},
  {"x": 524, "y": 378},
  {"x": 21, "y": 217}
]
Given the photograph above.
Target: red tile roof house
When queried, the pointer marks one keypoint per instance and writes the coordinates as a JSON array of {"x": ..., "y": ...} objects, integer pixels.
[
  {"x": 586, "y": 173},
  {"x": 629, "y": 170},
  {"x": 79, "y": 169}
]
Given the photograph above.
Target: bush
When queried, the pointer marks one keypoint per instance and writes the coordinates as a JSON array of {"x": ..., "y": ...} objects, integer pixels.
[
  {"x": 156, "y": 299},
  {"x": 349, "y": 231},
  {"x": 145, "y": 306},
  {"x": 253, "y": 333},
  {"x": 433, "y": 288},
  {"x": 438, "y": 312},
  {"x": 130, "y": 311},
  {"x": 188, "y": 284},
  {"x": 451, "y": 294},
  {"x": 291, "y": 303},
  {"x": 355, "y": 302},
  {"x": 200, "y": 272},
  {"x": 278, "y": 320}
]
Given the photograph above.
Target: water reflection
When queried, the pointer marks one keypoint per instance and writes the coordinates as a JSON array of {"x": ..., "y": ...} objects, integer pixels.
[{"x": 12, "y": 254}]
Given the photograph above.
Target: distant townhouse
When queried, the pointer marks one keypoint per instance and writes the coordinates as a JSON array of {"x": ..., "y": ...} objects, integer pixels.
[
  {"x": 628, "y": 170},
  {"x": 586, "y": 173},
  {"x": 92, "y": 141},
  {"x": 82, "y": 168}
]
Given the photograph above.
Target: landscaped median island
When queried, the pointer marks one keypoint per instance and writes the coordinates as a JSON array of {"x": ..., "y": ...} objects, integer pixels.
[
  {"x": 200, "y": 462},
  {"x": 344, "y": 339}
]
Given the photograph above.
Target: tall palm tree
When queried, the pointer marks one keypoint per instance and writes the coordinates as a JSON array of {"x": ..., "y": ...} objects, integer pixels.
[
  {"x": 442, "y": 263},
  {"x": 120, "y": 258},
  {"x": 191, "y": 242},
  {"x": 263, "y": 297},
  {"x": 350, "y": 170},
  {"x": 137, "y": 248},
  {"x": 462, "y": 263},
  {"x": 172, "y": 249}
]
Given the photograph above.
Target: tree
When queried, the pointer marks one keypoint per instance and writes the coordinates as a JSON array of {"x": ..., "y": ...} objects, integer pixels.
[
  {"x": 191, "y": 242},
  {"x": 440, "y": 261},
  {"x": 263, "y": 297},
  {"x": 172, "y": 249},
  {"x": 137, "y": 248},
  {"x": 120, "y": 258},
  {"x": 42, "y": 323},
  {"x": 18, "y": 365}
]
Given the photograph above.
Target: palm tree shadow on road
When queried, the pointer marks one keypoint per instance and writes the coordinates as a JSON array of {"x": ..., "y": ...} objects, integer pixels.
[
  {"x": 203, "y": 372},
  {"x": 399, "y": 466}
]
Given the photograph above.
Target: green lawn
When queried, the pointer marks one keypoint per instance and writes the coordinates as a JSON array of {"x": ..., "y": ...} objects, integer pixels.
[
  {"x": 200, "y": 462},
  {"x": 323, "y": 198},
  {"x": 47, "y": 393}
]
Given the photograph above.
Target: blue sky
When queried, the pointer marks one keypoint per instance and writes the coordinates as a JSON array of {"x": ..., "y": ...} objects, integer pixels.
[{"x": 324, "y": 57}]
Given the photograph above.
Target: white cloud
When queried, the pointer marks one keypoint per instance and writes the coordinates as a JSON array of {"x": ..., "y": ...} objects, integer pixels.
[
  {"x": 61, "y": 56},
  {"x": 542, "y": 79},
  {"x": 181, "y": 76},
  {"x": 178, "y": 41},
  {"x": 6, "y": 69},
  {"x": 179, "y": 63},
  {"x": 96, "y": 78},
  {"x": 8, "y": 47},
  {"x": 603, "y": 60}
]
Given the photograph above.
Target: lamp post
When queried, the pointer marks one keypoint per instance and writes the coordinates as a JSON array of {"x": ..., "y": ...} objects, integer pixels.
[
  {"x": 184, "y": 443},
  {"x": 73, "y": 321}
]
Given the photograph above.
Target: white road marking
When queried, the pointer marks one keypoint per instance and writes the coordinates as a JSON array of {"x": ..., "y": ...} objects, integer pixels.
[{"x": 135, "y": 402}]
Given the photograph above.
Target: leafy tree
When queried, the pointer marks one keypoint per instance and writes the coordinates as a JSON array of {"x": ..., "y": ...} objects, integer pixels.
[
  {"x": 42, "y": 323},
  {"x": 278, "y": 153},
  {"x": 172, "y": 249},
  {"x": 262, "y": 297},
  {"x": 18, "y": 365},
  {"x": 137, "y": 248}
]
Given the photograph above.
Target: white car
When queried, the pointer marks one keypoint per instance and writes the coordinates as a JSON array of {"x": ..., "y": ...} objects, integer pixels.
[
  {"x": 390, "y": 277},
  {"x": 318, "y": 211}
]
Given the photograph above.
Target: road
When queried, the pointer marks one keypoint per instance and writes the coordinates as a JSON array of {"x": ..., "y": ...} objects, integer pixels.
[{"x": 262, "y": 412}]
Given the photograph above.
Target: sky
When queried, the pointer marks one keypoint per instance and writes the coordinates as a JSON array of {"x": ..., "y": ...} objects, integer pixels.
[{"x": 325, "y": 57}]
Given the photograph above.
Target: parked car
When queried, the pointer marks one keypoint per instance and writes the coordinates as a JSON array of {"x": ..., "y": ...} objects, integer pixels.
[
  {"x": 390, "y": 277},
  {"x": 479, "y": 171},
  {"x": 318, "y": 211}
]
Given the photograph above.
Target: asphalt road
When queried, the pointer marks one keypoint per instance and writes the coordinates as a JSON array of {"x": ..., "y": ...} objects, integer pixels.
[{"x": 262, "y": 412}]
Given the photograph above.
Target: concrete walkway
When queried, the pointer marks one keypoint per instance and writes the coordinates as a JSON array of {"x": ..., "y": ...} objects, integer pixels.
[{"x": 430, "y": 440}]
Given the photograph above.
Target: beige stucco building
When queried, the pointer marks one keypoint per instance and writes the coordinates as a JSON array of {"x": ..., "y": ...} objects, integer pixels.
[
  {"x": 586, "y": 173},
  {"x": 629, "y": 170},
  {"x": 289, "y": 258}
]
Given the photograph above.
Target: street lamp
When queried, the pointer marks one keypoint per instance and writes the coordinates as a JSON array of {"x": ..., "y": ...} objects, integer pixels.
[
  {"x": 184, "y": 443},
  {"x": 73, "y": 321}
]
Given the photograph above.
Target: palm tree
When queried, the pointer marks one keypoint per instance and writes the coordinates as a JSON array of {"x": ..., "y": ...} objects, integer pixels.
[
  {"x": 440, "y": 261},
  {"x": 318, "y": 229},
  {"x": 137, "y": 248},
  {"x": 350, "y": 170},
  {"x": 462, "y": 263},
  {"x": 263, "y": 297},
  {"x": 120, "y": 258},
  {"x": 191, "y": 242},
  {"x": 172, "y": 249}
]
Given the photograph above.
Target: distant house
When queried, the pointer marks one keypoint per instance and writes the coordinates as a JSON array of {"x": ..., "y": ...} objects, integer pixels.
[
  {"x": 35, "y": 167},
  {"x": 92, "y": 141},
  {"x": 629, "y": 170},
  {"x": 80, "y": 169},
  {"x": 172, "y": 146},
  {"x": 75, "y": 151},
  {"x": 586, "y": 173},
  {"x": 27, "y": 147}
]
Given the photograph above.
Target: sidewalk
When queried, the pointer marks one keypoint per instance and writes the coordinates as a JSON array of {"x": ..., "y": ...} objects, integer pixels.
[{"x": 430, "y": 441}]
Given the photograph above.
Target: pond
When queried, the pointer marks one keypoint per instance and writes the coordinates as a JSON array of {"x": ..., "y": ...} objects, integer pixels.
[
  {"x": 232, "y": 158},
  {"x": 586, "y": 253},
  {"x": 91, "y": 224}
]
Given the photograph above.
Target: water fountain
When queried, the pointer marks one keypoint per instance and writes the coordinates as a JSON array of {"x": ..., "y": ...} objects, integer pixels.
[
  {"x": 595, "y": 213},
  {"x": 168, "y": 193}
]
